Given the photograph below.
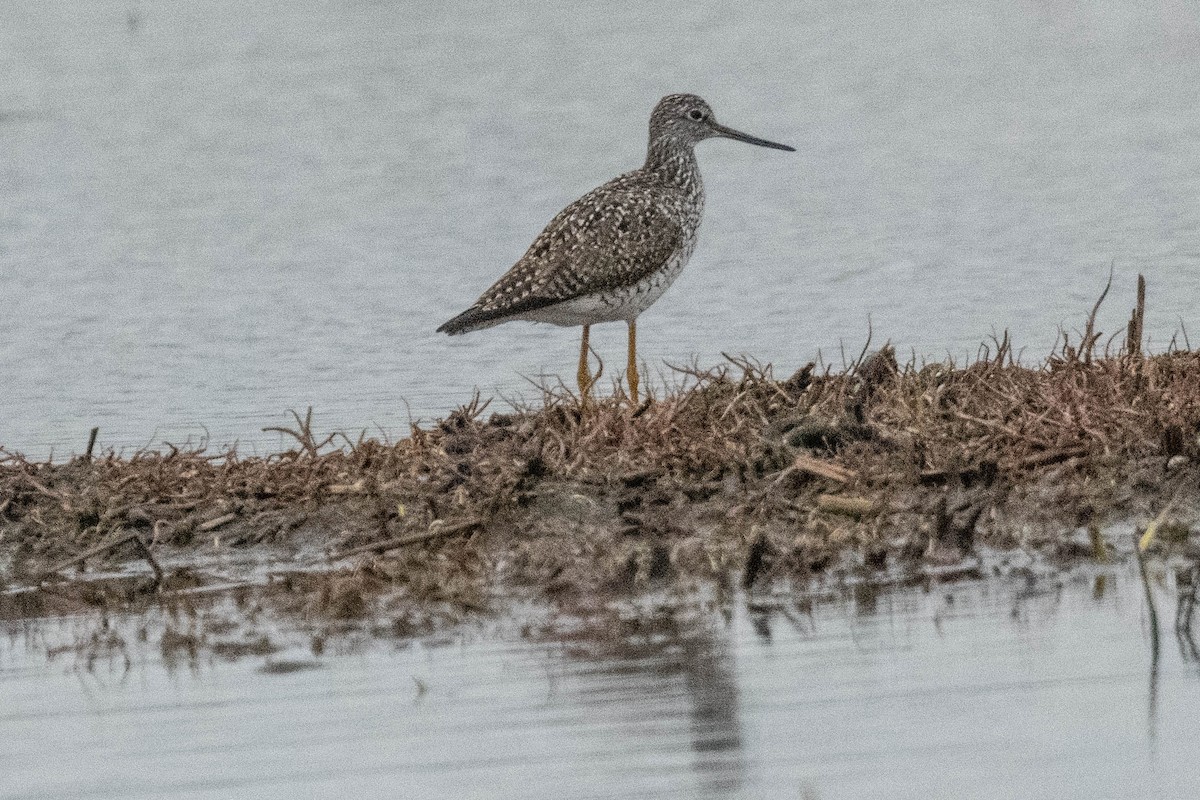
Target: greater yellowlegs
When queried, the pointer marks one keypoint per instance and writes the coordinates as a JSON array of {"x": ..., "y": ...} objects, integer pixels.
[{"x": 609, "y": 255}]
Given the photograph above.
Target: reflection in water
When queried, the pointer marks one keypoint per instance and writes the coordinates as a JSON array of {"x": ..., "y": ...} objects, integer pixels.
[
  {"x": 986, "y": 689},
  {"x": 1187, "y": 582},
  {"x": 708, "y": 668},
  {"x": 659, "y": 652}
]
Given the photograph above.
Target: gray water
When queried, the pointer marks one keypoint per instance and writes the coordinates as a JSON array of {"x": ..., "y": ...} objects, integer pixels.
[
  {"x": 213, "y": 212},
  {"x": 995, "y": 689}
]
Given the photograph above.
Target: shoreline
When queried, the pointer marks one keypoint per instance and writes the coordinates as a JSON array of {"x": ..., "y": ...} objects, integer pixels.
[
  {"x": 734, "y": 475},
  {"x": 577, "y": 506}
]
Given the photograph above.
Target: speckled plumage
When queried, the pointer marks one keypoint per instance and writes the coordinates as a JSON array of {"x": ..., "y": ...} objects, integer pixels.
[
  {"x": 595, "y": 250},
  {"x": 613, "y": 252},
  {"x": 609, "y": 255}
]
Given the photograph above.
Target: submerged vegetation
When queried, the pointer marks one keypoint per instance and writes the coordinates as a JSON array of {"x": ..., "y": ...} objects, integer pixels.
[{"x": 734, "y": 474}]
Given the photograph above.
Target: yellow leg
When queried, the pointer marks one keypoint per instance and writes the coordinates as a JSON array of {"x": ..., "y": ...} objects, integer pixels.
[
  {"x": 631, "y": 372},
  {"x": 584, "y": 376}
]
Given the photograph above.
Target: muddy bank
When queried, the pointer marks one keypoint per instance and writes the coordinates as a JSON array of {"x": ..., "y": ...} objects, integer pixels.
[{"x": 733, "y": 474}]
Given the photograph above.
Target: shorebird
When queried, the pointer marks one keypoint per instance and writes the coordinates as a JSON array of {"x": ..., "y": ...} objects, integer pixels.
[{"x": 613, "y": 252}]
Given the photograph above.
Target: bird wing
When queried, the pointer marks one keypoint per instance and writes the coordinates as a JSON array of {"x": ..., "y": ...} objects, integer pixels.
[{"x": 606, "y": 239}]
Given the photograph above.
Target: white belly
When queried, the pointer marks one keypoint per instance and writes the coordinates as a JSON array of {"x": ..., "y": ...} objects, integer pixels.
[{"x": 623, "y": 304}]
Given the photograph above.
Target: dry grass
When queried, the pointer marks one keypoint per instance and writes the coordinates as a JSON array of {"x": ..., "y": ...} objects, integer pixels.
[{"x": 732, "y": 468}]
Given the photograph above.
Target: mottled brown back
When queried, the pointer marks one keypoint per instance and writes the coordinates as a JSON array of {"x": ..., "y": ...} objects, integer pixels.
[{"x": 613, "y": 236}]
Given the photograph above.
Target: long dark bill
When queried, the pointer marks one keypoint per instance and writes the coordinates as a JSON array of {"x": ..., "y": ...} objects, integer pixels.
[{"x": 730, "y": 133}]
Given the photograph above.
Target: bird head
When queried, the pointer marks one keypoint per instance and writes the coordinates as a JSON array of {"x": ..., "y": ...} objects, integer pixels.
[{"x": 687, "y": 119}]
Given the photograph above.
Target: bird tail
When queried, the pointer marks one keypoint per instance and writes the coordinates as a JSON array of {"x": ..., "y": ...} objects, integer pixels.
[{"x": 473, "y": 319}]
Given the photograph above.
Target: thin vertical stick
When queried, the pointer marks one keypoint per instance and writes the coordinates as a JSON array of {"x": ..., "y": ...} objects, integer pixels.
[
  {"x": 1137, "y": 321},
  {"x": 87, "y": 456}
]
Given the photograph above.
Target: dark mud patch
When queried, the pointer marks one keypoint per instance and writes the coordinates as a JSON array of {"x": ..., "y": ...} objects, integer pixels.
[{"x": 287, "y": 667}]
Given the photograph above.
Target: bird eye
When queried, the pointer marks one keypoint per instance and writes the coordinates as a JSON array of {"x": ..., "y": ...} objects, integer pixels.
[{"x": 696, "y": 115}]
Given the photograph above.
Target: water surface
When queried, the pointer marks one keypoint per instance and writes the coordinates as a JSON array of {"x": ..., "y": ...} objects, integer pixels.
[
  {"x": 214, "y": 211},
  {"x": 1010, "y": 687}
]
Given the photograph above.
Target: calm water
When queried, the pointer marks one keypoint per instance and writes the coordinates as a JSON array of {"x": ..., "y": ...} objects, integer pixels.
[
  {"x": 212, "y": 212},
  {"x": 992, "y": 690}
]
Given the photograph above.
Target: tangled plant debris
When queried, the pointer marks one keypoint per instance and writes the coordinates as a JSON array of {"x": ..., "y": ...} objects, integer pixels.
[{"x": 733, "y": 474}]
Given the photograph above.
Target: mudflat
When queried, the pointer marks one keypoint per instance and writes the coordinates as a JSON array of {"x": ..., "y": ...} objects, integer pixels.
[{"x": 881, "y": 471}]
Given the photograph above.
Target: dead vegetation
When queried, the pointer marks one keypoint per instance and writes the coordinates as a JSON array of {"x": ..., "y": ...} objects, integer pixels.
[{"x": 731, "y": 472}]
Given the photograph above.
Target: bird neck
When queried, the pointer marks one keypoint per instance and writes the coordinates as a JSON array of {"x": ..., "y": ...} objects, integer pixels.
[{"x": 674, "y": 162}]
